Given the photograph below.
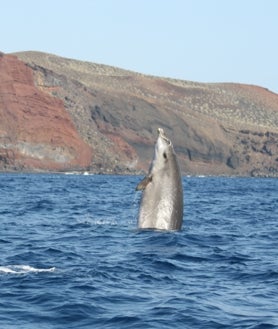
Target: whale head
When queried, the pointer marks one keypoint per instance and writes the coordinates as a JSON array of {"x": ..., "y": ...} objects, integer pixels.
[{"x": 164, "y": 151}]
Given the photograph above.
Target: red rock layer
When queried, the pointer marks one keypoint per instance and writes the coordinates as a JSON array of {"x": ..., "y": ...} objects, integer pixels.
[{"x": 36, "y": 132}]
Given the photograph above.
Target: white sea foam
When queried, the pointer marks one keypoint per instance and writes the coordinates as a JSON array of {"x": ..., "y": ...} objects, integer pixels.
[
  {"x": 111, "y": 221},
  {"x": 22, "y": 269},
  {"x": 90, "y": 220}
]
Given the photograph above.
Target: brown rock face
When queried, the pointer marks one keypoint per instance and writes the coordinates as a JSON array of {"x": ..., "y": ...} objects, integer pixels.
[
  {"x": 36, "y": 132},
  {"x": 217, "y": 129}
]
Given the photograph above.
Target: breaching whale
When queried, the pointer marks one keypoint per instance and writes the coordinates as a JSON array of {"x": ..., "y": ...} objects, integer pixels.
[{"x": 161, "y": 205}]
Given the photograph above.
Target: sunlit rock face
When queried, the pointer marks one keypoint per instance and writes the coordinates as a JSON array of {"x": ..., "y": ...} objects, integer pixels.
[
  {"x": 36, "y": 132},
  {"x": 59, "y": 113}
]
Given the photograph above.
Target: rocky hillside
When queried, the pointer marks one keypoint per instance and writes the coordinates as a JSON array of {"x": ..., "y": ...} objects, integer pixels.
[
  {"x": 36, "y": 132},
  {"x": 62, "y": 114}
]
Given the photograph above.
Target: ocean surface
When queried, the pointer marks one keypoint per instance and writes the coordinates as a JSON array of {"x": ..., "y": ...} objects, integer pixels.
[{"x": 72, "y": 257}]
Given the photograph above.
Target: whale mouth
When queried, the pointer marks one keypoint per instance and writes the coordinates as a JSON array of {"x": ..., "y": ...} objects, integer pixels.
[{"x": 161, "y": 134}]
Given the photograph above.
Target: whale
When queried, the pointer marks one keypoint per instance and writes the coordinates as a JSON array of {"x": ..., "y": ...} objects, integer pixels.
[{"x": 161, "y": 206}]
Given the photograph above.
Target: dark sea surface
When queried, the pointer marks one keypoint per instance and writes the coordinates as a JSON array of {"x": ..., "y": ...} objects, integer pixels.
[{"x": 71, "y": 256}]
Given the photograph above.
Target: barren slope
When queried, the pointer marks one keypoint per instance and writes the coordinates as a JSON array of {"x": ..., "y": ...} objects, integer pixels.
[{"x": 216, "y": 128}]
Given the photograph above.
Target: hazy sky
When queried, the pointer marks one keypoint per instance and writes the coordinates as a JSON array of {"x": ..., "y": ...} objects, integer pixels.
[{"x": 198, "y": 40}]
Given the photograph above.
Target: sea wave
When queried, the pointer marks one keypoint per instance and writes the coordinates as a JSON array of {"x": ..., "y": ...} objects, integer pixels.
[
  {"x": 23, "y": 269},
  {"x": 219, "y": 271}
]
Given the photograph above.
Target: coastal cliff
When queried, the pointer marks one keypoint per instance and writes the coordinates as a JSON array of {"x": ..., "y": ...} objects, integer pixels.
[
  {"x": 63, "y": 114},
  {"x": 36, "y": 132}
]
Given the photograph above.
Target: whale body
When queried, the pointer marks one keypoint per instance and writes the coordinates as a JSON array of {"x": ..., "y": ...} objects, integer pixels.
[{"x": 161, "y": 206}]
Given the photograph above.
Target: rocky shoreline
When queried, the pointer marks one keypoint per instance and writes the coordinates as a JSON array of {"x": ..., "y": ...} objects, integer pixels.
[{"x": 59, "y": 114}]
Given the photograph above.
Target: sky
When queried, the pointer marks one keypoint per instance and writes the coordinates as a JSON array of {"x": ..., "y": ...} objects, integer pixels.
[{"x": 196, "y": 40}]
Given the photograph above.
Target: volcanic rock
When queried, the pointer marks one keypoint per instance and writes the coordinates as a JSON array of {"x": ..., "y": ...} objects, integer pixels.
[
  {"x": 36, "y": 132},
  {"x": 217, "y": 129}
]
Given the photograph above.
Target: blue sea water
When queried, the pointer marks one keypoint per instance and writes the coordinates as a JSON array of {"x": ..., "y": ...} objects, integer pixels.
[{"x": 71, "y": 256}]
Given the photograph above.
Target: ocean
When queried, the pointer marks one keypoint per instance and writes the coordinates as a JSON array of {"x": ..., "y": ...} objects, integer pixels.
[{"x": 72, "y": 257}]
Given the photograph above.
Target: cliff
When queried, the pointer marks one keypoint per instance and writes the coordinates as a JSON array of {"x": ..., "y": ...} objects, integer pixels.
[
  {"x": 36, "y": 132},
  {"x": 59, "y": 113}
]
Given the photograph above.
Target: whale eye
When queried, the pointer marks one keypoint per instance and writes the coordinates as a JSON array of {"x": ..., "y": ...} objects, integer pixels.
[{"x": 164, "y": 155}]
